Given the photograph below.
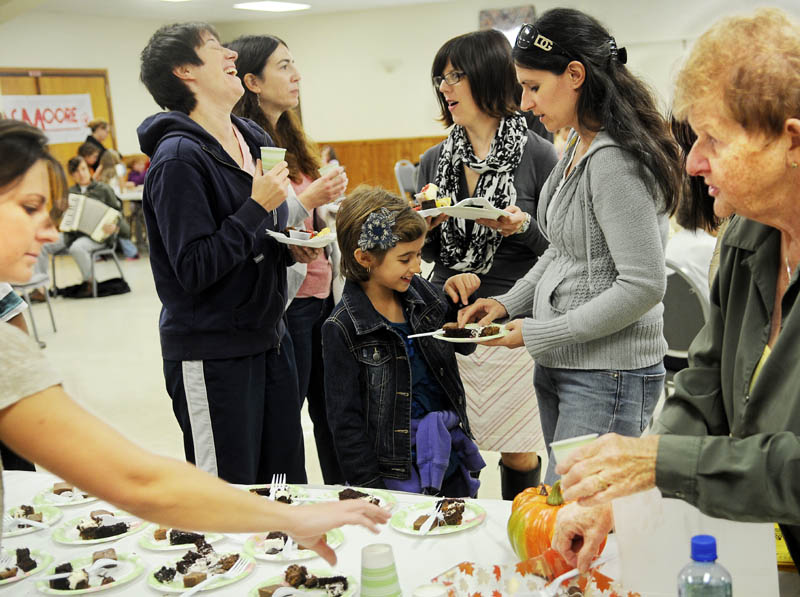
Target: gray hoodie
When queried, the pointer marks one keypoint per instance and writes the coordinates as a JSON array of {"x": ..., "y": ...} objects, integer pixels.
[{"x": 593, "y": 300}]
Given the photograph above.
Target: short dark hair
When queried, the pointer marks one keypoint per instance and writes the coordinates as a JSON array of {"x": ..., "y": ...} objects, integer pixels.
[
  {"x": 74, "y": 163},
  {"x": 170, "y": 47},
  {"x": 355, "y": 210},
  {"x": 87, "y": 149},
  {"x": 22, "y": 146},
  {"x": 611, "y": 97},
  {"x": 485, "y": 57}
]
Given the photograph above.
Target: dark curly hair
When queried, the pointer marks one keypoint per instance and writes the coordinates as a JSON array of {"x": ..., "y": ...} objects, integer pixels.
[{"x": 611, "y": 97}]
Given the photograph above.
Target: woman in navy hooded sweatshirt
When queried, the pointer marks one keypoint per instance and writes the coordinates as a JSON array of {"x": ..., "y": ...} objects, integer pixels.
[{"x": 221, "y": 280}]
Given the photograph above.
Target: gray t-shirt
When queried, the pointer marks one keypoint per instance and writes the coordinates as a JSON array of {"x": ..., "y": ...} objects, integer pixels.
[{"x": 25, "y": 371}]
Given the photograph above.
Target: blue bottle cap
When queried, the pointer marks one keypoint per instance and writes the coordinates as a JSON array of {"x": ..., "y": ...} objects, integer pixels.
[{"x": 704, "y": 548}]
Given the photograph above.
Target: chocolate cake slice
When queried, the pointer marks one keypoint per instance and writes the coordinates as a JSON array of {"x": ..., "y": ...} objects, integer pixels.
[
  {"x": 62, "y": 584},
  {"x": 24, "y": 560},
  {"x": 451, "y": 330},
  {"x": 178, "y": 537},
  {"x": 165, "y": 574}
]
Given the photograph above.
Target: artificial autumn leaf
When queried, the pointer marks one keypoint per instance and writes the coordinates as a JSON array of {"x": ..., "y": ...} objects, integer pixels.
[
  {"x": 497, "y": 572},
  {"x": 602, "y": 581},
  {"x": 497, "y": 594},
  {"x": 467, "y": 568}
]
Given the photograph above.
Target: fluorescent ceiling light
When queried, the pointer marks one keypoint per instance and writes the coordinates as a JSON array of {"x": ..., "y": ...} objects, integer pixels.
[{"x": 272, "y": 6}]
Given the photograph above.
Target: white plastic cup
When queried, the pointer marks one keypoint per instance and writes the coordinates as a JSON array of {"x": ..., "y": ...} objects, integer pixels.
[
  {"x": 430, "y": 591},
  {"x": 378, "y": 572},
  {"x": 270, "y": 156},
  {"x": 563, "y": 448}
]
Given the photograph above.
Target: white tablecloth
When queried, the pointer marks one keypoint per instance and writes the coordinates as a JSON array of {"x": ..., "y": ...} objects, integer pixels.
[{"x": 417, "y": 559}]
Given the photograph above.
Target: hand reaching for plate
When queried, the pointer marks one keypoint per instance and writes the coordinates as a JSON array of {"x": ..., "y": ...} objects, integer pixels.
[
  {"x": 484, "y": 311},
  {"x": 461, "y": 286}
]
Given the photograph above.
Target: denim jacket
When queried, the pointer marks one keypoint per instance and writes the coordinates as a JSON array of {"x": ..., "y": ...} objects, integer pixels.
[{"x": 368, "y": 379}]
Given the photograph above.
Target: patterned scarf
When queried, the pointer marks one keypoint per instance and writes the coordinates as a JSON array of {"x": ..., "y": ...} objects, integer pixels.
[{"x": 475, "y": 252}]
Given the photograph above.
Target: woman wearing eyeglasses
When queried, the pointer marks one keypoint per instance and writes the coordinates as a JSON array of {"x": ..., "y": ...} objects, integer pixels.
[
  {"x": 590, "y": 309},
  {"x": 489, "y": 152}
]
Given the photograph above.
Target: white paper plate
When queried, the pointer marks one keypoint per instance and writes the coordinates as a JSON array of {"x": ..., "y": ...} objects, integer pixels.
[
  {"x": 42, "y": 560},
  {"x": 352, "y": 584},
  {"x": 68, "y": 534},
  {"x": 176, "y": 585},
  {"x": 476, "y": 340},
  {"x": 253, "y": 547},
  {"x": 148, "y": 542},
  {"x": 48, "y": 498},
  {"x": 385, "y": 498},
  {"x": 474, "y": 208},
  {"x": 50, "y": 515},
  {"x": 317, "y": 242},
  {"x": 129, "y": 567},
  {"x": 403, "y": 519}
]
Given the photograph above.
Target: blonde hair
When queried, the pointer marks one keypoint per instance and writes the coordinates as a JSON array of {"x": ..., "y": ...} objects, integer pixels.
[
  {"x": 753, "y": 63},
  {"x": 98, "y": 123},
  {"x": 355, "y": 210},
  {"x": 108, "y": 160}
]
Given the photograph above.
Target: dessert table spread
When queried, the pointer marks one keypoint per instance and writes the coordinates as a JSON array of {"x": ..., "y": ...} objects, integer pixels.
[{"x": 418, "y": 559}]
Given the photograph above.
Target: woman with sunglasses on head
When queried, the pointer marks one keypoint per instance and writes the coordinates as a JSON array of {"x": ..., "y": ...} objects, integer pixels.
[
  {"x": 271, "y": 93},
  {"x": 591, "y": 307},
  {"x": 489, "y": 152},
  {"x": 42, "y": 423}
]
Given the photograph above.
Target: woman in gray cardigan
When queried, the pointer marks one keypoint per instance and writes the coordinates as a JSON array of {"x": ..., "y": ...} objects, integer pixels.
[
  {"x": 592, "y": 303},
  {"x": 489, "y": 152}
]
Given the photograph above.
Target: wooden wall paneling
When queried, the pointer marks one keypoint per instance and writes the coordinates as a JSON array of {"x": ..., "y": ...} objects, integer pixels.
[
  {"x": 95, "y": 86},
  {"x": 372, "y": 161},
  {"x": 18, "y": 86}
]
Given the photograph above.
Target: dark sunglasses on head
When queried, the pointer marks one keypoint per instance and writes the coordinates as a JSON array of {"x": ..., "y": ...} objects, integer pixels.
[{"x": 529, "y": 36}]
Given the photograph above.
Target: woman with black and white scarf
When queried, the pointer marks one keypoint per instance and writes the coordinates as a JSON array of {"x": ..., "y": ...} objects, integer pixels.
[{"x": 489, "y": 152}]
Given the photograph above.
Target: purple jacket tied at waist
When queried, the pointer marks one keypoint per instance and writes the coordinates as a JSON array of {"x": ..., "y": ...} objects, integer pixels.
[{"x": 435, "y": 436}]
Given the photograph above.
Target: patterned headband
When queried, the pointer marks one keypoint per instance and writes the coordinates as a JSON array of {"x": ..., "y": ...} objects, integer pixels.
[{"x": 376, "y": 233}]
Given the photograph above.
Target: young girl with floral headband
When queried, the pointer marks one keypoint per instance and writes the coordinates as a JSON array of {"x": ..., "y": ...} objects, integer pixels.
[{"x": 396, "y": 404}]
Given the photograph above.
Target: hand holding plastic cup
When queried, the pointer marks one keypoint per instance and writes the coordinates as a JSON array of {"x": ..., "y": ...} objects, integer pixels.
[
  {"x": 563, "y": 448},
  {"x": 378, "y": 572},
  {"x": 328, "y": 168},
  {"x": 271, "y": 156}
]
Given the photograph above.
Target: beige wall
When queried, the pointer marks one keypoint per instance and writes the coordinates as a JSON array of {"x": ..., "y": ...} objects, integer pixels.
[
  {"x": 62, "y": 41},
  {"x": 365, "y": 74}
]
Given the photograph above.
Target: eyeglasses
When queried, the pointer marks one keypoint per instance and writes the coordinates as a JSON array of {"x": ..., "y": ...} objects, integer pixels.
[
  {"x": 451, "y": 78},
  {"x": 529, "y": 36}
]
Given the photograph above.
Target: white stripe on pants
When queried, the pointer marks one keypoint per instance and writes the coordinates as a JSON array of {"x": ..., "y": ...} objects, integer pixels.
[{"x": 194, "y": 387}]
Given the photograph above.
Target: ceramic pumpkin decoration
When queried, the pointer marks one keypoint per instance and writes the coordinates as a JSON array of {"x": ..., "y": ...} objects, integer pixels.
[{"x": 533, "y": 521}]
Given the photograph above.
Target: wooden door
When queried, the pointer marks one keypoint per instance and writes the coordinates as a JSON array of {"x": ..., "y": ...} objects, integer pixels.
[{"x": 60, "y": 82}]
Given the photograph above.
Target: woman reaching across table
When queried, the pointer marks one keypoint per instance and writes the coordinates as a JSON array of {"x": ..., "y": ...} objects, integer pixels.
[
  {"x": 39, "y": 420},
  {"x": 592, "y": 303},
  {"x": 490, "y": 153},
  {"x": 728, "y": 439}
]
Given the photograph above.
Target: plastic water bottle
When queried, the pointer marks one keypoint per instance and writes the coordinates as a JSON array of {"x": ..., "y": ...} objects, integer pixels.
[{"x": 703, "y": 577}]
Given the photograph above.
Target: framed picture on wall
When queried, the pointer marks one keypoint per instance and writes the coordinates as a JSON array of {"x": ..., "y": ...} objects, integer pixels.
[{"x": 507, "y": 20}]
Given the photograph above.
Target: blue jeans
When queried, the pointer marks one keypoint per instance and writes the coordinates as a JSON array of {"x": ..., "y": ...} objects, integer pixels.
[{"x": 575, "y": 402}]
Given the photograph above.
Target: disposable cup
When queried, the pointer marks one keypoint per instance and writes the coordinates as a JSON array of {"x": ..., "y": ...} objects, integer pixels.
[
  {"x": 270, "y": 156},
  {"x": 563, "y": 448},
  {"x": 378, "y": 571},
  {"x": 430, "y": 591}
]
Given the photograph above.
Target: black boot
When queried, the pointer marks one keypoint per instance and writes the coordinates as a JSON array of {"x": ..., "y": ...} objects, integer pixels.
[{"x": 513, "y": 482}]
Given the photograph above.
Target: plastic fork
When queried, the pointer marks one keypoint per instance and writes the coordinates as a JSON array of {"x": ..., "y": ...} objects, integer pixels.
[
  {"x": 91, "y": 569},
  {"x": 286, "y": 592},
  {"x": 428, "y": 524},
  {"x": 6, "y": 561},
  {"x": 273, "y": 486},
  {"x": 235, "y": 570},
  {"x": 10, "y": 521},
  {"x": 551, "y": 589}
]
